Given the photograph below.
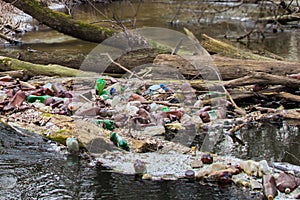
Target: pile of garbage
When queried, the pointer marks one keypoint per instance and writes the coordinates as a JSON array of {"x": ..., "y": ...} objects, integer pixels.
[{"x": 140, "y": 120}]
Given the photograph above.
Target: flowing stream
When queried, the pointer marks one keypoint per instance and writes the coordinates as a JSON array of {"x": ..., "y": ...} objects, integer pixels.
[{"x": 34, "y": 168}]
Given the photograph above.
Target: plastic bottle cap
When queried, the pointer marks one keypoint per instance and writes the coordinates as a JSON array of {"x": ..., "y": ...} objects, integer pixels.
[
  {"x": 270, "y": 197},
  {"x": 287, "y": 190}
]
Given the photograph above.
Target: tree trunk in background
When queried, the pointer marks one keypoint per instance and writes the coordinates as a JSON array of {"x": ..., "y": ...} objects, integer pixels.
[{"x": 62, "y": 22}]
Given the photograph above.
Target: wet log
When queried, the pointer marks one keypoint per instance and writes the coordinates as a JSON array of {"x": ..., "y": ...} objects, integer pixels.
[
  {"x": 10, "y": 64},
  {"x": 282, "y": 19},
  {"x": 62, "y": 22},
  {"x": 264, "y": 85},
  {"x": 264, "y": 79},
  {"x": 214, "y": 46},
  {"x": 10, "y": 40},
  {"x": 229, "y": 68},
  {"x": 287, "y": 96},
  {"x": 20, "y": 74}
]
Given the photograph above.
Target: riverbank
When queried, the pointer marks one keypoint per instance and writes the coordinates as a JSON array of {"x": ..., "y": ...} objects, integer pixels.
[
  {"x": 155, "y": 146},
  {"x": 155, "y": 122}
]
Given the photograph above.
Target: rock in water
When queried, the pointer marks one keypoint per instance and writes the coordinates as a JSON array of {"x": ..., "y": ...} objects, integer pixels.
[
  {"x": 72, "y": 144},
  {"x": 140, "y": 167}
]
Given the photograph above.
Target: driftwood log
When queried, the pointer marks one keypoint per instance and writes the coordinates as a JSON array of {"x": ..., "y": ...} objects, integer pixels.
[
  {"x": 11, "y": 64},
  {"x": 230, "y": 61},
  {"x": 230, "y": 68}
]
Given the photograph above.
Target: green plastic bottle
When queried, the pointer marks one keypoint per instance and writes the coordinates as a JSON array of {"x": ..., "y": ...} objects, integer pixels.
[
  {"x": 100, "y": 85},
  {"x": 33, "y": 98},
  {"x": 105, "y": 95},
  {"x": 108, "y": 124},
  {"x": 165, "y": 109},
  {"x": 119, "y": 141}
]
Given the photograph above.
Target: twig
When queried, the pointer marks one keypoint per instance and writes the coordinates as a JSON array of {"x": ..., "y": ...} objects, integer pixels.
[
  {"x": 18, "y": 130},
  {"x": 238, "y": 109},
  {"x": 136, "y": 13},
  {"x": 295, "y": 157},
  {"x": 177, "y": 47},
  {"x": 122, "y": 67},
  {"x": 162, "y": 103},
  {"x": 10, "y": 40}
]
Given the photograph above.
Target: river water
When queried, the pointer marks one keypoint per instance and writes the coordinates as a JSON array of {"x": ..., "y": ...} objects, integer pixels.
[
  {"x": 216, "y": 19},
  {"x": 34, "y": 168}
]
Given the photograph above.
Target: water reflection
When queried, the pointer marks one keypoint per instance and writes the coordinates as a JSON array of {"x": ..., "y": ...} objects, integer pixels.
[
  {"x": 155, "y": 14},
  {"x": 272, "y": 142},
  {"x": 32, "y": 168}
]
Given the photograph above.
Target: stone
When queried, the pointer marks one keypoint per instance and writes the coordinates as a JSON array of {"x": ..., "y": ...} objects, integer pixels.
[
  {"x": 154, "y": 130},
  {"x": 196, "y": 164}
]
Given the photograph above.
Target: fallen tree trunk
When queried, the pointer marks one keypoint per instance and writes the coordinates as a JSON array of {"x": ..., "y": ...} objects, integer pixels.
[
  {"x": 10, "y": 64},
  {"x": 62, "y": 22},
  {"x": 282, "y": 19},
  {"x": 230, "y": 68},
  {"x": 235, "y": 68},
  {"x": 214, "y": 46},
  {"x": 10, "y": 40},
  {"x": 264, "y": 79}
]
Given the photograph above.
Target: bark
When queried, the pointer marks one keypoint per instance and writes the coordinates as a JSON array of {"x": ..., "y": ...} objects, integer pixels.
[
  {"x": 10, "y": 40},
  {"x": 235, "y": 68},
  {"x": 20, "y": 74},
  {"x": 282, "y": 19},
  {"x": 229, "y": 68},
  {"x": 264, "y": 79},
  {"x": 10, "y": 64},
  {"x": 214, "y": 46},
  {"x": 62, "y": 22}
]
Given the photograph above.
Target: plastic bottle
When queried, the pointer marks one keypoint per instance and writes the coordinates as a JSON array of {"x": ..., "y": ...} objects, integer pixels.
[
  {"x": 269, "y": 187},
  {"x": 242, "y": 182},
  {"x": 263, "y": 168},
  {"x": 165, "y": 109},
  {"x": 72, "y": 144},
  {"x": 140, "y": 167},
  {"x": 207, "y": 159},
  {"x": 33, "y": 98},
  {"x": 193, "y": 150},
  {"x": 105, "y": 95},
  {"x": 190, "y": 174},
  {"x": 58, "y": 89},
  {"x": 250, "y": 167},
  {"x": 286, "y": 182},
  {"x": 212, "y": 114},
  {"x": 108, "y": 124},
  {"x": 100, "y": 85},
  {"x": 119, "y": 141}
]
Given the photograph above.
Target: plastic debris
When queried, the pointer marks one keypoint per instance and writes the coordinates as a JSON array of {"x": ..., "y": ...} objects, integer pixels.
[
  {"x": 140, "y": 167},
  {"x": 207, "y": 159},
  {"x": 100, "y": 85},
  {"x": 269, "y": 187},
  {"x": 107, "y": 124},
  {"x": 72, "y": 145},
  {"x": 119, "y": 141}
]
